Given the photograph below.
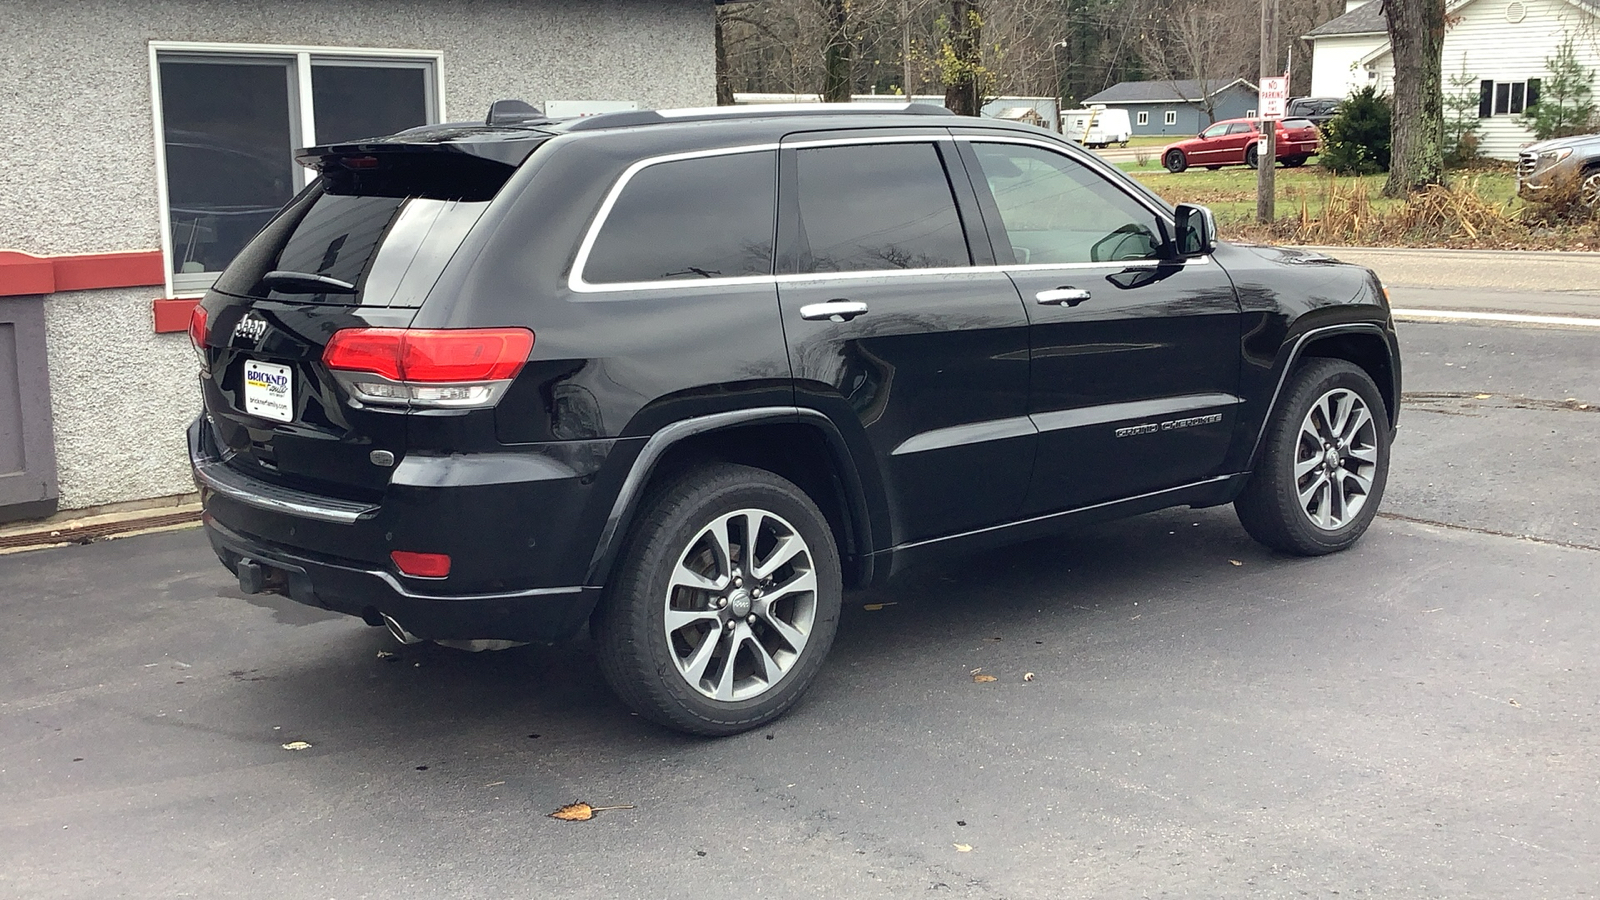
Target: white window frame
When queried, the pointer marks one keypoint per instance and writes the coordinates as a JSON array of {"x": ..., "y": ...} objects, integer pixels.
[
  {"x": 1249, "y": 114},
  {"x": 1144, "y": 117},
  {"x": 1171, "y": 118},
  {"x": 303, "y": 116}
]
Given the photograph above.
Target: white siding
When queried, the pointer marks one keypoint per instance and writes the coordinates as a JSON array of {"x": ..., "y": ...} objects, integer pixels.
[
  {"x": 1336, "y": 68},
  {"x": 1492, "y": 48}
]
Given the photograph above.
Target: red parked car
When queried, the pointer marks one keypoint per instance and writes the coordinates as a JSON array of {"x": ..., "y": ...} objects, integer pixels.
[{"x": 1233, "y": 142}]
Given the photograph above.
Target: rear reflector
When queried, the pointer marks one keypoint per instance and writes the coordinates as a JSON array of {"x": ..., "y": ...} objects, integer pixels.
[
  {"x": 466, "y": 367},
  {"x": 421, "y": 565}
]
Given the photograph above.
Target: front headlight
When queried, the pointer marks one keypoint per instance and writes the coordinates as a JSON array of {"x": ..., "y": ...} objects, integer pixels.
[{"x": 1551, "y": 157}]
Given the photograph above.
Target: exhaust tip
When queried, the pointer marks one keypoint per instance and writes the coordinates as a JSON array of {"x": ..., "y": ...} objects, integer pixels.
[{"x": 399, "y": 631}]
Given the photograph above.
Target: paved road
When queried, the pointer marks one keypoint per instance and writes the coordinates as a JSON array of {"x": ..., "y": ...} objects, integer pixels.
[
  {"x": 1416, "y": 718},
  {"x": 1561, "y": 284}
]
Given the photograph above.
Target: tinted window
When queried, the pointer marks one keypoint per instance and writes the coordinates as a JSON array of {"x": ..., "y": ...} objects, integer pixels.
[
  {"x": 1057, "y": 211},
  {"x": 1297, "y": 123},
  {"x": 877, "y": 206},
  {"x": 710, "y": 217},
  {"x": 361, "y": 101},
  {"x": 1241, "y": 128}
]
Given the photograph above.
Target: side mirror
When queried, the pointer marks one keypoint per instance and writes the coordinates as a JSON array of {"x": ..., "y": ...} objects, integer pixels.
[{"x": 1196, "y": 231}]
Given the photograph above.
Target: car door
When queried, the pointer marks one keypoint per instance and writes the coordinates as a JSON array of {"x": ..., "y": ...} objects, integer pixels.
[
  {"x": 892, "y": 329},
  {"x": 1135, "y": 356},
  {"x": 1210, "y": 150},
  {"x": 1240, "y": 136}
]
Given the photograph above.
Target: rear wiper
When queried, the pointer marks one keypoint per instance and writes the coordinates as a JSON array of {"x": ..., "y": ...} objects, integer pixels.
[{"x": 305, "y": 283}]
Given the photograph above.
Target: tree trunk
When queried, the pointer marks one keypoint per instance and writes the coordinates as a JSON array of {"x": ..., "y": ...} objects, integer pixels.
[
  {"x": 724, "y": 77},
  {"x": 962, "y": 59},
  {"x": 837, "y": 62},
  {"x": 1416, "y": 34}
]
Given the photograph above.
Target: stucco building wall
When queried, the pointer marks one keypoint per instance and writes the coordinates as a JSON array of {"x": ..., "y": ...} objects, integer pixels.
[{"x": 77, "y": 158}]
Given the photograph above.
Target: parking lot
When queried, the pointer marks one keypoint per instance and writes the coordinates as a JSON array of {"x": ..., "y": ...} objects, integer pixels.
[{"x": 1176, "y": 712}]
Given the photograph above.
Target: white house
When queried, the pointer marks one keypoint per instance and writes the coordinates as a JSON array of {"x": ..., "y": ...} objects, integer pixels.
[{"x": 1501, "y": 45}]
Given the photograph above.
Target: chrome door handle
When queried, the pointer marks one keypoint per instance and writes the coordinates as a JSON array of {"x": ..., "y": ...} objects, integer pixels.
[
  {"x": 1065, "y": 295},
  {"x": 833, "y": 311}
]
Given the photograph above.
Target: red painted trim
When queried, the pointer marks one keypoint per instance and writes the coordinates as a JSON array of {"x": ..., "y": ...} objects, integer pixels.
[
  {"x": 24, "y": 273},
  {"x": 172, "y": 315}
]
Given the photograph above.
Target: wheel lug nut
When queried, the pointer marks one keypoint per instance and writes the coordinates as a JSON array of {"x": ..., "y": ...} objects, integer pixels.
[
  {"x": 750, "y": 619},
  {"x": 732, "y": 624},
  {"x": 721, "y": 602},
  {"x": 756, "y": 593},
  {"x": 737, "y": 581}
]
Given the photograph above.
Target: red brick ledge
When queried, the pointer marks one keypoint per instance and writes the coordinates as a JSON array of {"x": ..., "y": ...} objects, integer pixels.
[{"x": 25, "y": 274}]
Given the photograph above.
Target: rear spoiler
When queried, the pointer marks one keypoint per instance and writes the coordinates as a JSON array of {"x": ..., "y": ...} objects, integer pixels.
[{"x": 501, "y": 146}]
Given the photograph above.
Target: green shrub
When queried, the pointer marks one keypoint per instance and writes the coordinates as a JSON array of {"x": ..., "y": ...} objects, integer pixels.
[
  {"x": 1566, "y": 99},
  {"x": 1356, "y": 140}
]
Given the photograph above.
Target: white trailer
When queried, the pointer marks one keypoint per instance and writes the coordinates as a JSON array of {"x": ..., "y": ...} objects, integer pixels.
[{"x": 1097, "y": 126}]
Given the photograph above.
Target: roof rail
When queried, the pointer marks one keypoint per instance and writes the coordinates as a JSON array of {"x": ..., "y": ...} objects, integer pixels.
[{"x": 751, "y": 111}]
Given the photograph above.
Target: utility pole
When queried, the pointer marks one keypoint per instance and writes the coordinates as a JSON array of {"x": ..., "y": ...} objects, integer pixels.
[
  {"x": 1267, "y": 156},
  {"x": 905, "y": 47}
]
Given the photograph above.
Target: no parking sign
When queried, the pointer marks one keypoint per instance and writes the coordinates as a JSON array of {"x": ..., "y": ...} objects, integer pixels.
[{"x": 1274, "y": 97}]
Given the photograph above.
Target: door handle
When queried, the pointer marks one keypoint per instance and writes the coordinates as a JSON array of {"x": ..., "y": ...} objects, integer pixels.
[
  {"x": 833, "y": 311},
  {"x": 1069, "y": 296}
]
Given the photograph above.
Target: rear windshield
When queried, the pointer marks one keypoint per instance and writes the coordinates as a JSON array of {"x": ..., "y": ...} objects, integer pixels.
[
  {"x": 1298, "y": 123},
  {"x": 372, "y": 238}
]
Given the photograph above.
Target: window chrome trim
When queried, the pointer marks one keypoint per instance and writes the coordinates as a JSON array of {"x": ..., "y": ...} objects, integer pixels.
[{"x": 577, "y": 283}]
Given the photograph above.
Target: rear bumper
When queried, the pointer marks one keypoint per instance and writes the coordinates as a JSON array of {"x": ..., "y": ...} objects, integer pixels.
[
  {"x": 512, "y": 524},
  {"x": 541, "y": 614}
]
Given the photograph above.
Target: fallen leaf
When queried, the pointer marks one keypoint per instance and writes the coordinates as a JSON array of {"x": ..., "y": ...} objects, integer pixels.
[
  {"x": 1513, "y": 702},
  {"x": 984, "y": 679},
  {"x": 975, "y": 671},
  {"x": 992, "y": 639},
  {"x": 385, "y": 654},
  {"x": 1482, "y": 396},
  {"x": 1235, "y": 562},
  {"x": 581, "y": 812},
  {"x": 874, "y": 607},
  {"x": 297, "y": 745},
  {"x": 963, "y": 848},
  {"x": 1027, "y": 676}
]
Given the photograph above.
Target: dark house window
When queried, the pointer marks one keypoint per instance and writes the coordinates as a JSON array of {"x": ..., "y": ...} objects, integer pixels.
[{"x": 1506, "y": 98}]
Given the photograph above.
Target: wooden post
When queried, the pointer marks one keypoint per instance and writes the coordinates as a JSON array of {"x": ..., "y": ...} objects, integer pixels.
[{"x": 1267, "y": 157}]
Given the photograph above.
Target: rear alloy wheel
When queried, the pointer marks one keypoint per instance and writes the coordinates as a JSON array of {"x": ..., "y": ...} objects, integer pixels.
[
  {"x": 726, "y": 605},
  {"x": 1324, "y": 464},
  {"x": 1175, "y": 161}
]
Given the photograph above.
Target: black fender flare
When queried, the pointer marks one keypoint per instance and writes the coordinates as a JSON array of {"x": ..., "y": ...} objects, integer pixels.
[
  {"x": 1297, "y": 351},
  {"x": 859, "y": 519}
]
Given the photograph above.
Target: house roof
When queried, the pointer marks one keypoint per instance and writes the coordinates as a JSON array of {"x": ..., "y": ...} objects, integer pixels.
[
  {"x": 1364, "y": 19},
  {"x": 1185, "y": 91}
]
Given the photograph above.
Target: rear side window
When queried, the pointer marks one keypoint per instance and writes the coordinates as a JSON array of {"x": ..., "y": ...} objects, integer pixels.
[
  {"x": 867, "y": 207},
  {"x": 690, "y": 219}
]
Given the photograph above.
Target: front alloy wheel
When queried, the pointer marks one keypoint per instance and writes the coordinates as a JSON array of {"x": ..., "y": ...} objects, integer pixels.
[
  {"x": 1336, "y": 458},
  {"x": 1323, "y": 463}
]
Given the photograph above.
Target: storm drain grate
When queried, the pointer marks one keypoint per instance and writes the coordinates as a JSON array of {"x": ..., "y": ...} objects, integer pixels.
[{"x": 87, "y": 534}]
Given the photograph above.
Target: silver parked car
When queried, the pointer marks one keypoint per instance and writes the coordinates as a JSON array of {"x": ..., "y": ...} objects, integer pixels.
[{"x": 1541, "y": 165}]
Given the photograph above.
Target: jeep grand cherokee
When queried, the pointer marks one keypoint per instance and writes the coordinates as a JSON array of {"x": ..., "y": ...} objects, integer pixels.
[{"x": 684, "y": 376}]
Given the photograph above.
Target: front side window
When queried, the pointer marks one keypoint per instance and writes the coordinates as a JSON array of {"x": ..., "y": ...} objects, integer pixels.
[
  {"x": 689, "y": 220},
  {"x": 1214, "y": 131},
  {"x": 868, "y": 207},
  {"x": 1056, "y": 210},
  {"x": 230, "y": 123}
]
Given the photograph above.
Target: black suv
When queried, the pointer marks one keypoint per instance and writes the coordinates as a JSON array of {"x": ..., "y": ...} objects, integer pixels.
[
  {"x": 684, "y": 376},
  {"x": 1320, "y": 110}
]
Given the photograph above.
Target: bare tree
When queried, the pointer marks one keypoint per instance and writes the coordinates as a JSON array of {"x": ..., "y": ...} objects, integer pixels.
[
  {"x": 1416, "y": 41},
  {"x": 962, "y": 59}
]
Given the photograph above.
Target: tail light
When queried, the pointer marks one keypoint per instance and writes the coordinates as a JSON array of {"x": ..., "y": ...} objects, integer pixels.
[
  {"x": 197, "y": 333},
  {"x": 466, "y": 368}
]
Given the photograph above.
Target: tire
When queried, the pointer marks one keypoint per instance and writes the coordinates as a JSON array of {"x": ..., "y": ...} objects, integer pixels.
[
  {"x": 1300, "y": 514},
  {"x": 1589, "y": 189},
  {"x": 1251, "y": 156},
  {"x": 1175, "y": 161},
  {"x": 672, "y": 561},
  {"x": 1294, "y": 162}
]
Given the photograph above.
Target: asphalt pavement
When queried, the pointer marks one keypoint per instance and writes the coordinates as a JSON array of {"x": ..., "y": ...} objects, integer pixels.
[{"x": 1414, "y": 718}]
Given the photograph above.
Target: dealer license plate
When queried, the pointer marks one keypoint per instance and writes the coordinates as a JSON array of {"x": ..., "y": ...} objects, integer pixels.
[{"x": 268, "y": 391}]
